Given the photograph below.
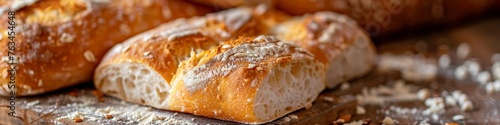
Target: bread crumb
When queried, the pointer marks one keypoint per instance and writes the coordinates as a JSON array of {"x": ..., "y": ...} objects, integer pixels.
[
  {"x": 494, "y": 58},
  {"x": 451, "y": 123},
  {"x": 463, "y": 50},
  {"x": 33, "y": 103},
  {"x": 435, "y": 105},
  {"x": 483, "y": 77},
  {"x": 435, "y": 117},
  {"x": 293, "y": 116},
  {"x": 78, "y": 119},
  {"x": 286, "y": 119},
  {"x": 423, "y": 94},
  {"x": 108, "y": 116},
  {"x": 458, "y": 117},
  {"x": 105, "y": 110},
  {"x": 339, "y": 121},
  {"x": 460, "y": 72},
  {"x": 473, "y": 67},
  {"x": 328, "y": 99},
  {"x": 449, "y": 100},
  {"x": 360, "y": 110},
  {"x": 308, "y": 105},
  {"x": 496, "y": 85},
  {"x": 444, "y": 61},
  {"x": 388, "y": 121},
  {"x": 385, "y": 94},
  {"x": 455, "y": 94},
  {"x": 495, "y": 70},
  {"x": 89, "y": 56},
  {"x": 489, "y": 88},
  {"x": 467, "y": 106},
  {"x": 420, "y": 72},
  {"x": 345, "y": 117},
  {"x": 462, "y": 98},
  {"x": 73, "y": 93},
  {"x": 360, "y": 122},
  {"x": 99, "y": 95},
  {"x": 344, "y": 86}
]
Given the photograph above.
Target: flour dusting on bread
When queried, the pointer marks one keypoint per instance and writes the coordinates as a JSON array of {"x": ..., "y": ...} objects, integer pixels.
[
  {"x": 251, "y": 52},
  {"x": 250, "y": 76},
  {"x": 236, "y": 18}
]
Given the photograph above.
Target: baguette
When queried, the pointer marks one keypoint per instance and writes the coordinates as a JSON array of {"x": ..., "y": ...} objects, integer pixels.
[
  {"x": 60, "y": 42},
  {"x": 383, "y": 17},
  {"x": 336, "y": 40},
  {"x": 237, "y": 65},
  {"x": 379, "y": 17},
  {"x": 248, "y": 81}
]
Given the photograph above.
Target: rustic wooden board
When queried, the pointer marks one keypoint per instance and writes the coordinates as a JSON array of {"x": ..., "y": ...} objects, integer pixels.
[{"x": 482, "y": 36}]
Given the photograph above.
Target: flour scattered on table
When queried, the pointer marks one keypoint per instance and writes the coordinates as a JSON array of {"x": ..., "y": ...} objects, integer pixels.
[
  {"x": 398, "y": 92},
  {"x": 412, "y": 67},
  {"x": 86, "y": 108}
]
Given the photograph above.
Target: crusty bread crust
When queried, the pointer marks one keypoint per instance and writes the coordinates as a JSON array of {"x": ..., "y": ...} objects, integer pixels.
[
  {"x": 379, "y": 17},
  {"x": 252, "y": 81},
  {"x": 334, "y": 39},
  {"x": 60, "y": 42},
  {"x": 217, "y": 66},
  {"x": 162, "y": 49}
]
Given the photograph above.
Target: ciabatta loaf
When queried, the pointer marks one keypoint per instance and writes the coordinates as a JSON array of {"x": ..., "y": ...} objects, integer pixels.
[
  {"x": 58, "y": 43},
  {"x": 248, "y": 65}
]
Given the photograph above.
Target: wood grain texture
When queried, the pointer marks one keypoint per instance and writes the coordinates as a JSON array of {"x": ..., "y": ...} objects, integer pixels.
[{"x": 482, "y": 36}]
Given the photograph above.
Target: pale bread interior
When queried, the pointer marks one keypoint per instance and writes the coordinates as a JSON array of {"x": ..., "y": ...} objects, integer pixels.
[
  {"x": 288, "y": 87},
  {"x": 134, "y": 82},
  {"x": 355, "y": 61}
]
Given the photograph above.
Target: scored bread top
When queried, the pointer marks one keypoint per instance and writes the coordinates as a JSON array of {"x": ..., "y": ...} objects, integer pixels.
[
  {"x": 176, "y": 40},
  {"x": 225, "y": 58},
  {"x": 220, "y": 66},
  {"x": 60, "y": 42},
  {"x": 335, "y": 40},
  {"x": 325, "y": 34},
  {"x": 244, "y": 80}
]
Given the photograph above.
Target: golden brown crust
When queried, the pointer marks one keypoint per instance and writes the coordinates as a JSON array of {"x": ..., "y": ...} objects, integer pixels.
[
  {"x": 190, "y": 44},
  {"x": 62, "y": 49},
  {"x": 162, "y": 48},
  {"x": 231, "y": 3},
  {"x": 380, "y": 17},
  {"x": 334, "y": 39},
  {"x": 177, "y": 39},
  {"x": 387, "y": 16},
  {"x": 232, "y": 96}
]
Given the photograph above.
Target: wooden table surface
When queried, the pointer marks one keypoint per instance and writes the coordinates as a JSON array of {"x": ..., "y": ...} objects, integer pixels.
[{"x": 483, "y": 37}]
